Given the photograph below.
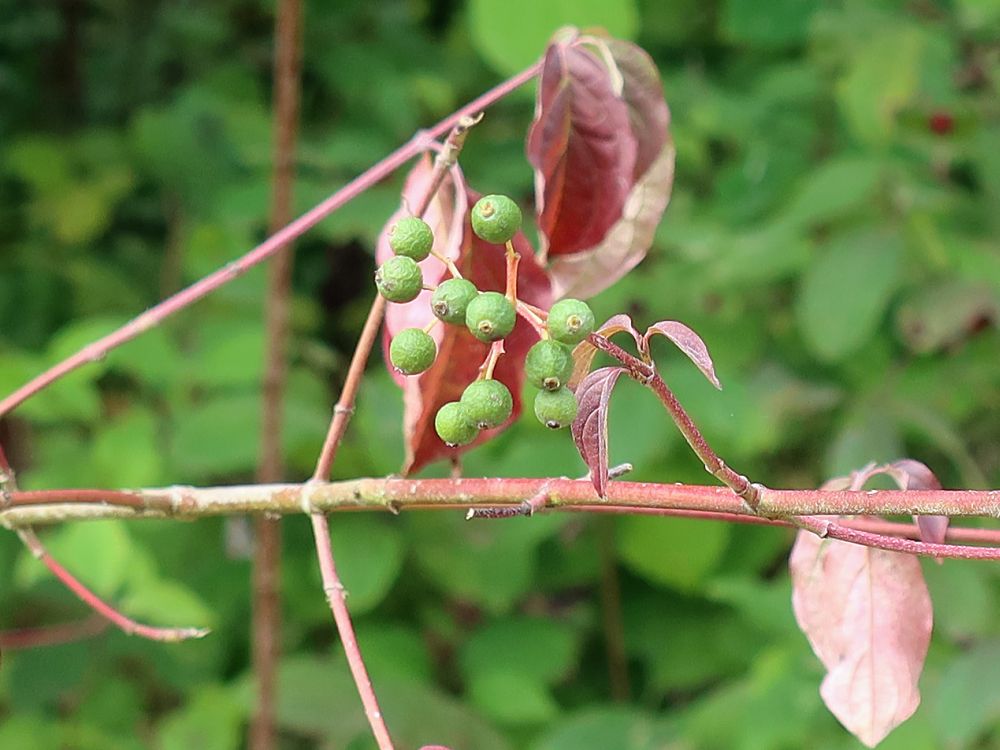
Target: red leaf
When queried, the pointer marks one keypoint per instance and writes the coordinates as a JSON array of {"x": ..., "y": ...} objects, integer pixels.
[
  {"x": 867, "y": 615},
  {"x": 581, "y": 147},
  {"x": 583, "y": 354},
  {"x": 688, "y": 342},
  {"x": 586, "y": 273},
  {"x": 590, "y": 428},
  {"x": 459, "y": 353},
  {"x": 603, "y": 159}
]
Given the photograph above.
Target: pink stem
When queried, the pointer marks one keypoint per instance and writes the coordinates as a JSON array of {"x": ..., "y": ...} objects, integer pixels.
[
  {"x": 342, "y": 617},
  {"x": 184, "y": 298},
  {"x": 126, "y": 624}
]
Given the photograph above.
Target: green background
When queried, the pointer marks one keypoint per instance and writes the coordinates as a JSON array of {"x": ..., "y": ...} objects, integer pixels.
[{"x": 832, "y": 235}]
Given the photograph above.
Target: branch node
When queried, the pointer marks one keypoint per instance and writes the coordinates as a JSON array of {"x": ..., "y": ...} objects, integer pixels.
[
  {"x": 341, "y": 409},
  {"x": 306, "y": 495}
]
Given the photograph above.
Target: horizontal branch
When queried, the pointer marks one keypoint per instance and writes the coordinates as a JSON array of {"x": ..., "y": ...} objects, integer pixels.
[{"x": 392, "y": 494}]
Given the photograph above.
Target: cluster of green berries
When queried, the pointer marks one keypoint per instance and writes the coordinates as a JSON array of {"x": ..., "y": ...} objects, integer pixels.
[
  {"x": 489, "y": 316},
  {"x": 549, "y": 364}
]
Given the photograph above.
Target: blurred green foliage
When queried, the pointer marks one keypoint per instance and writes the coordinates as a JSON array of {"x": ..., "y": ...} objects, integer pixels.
[{"x": 832, "y": 235}]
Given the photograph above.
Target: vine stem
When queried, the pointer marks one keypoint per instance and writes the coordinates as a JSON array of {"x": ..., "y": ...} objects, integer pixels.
[
  {"x": 88, "y": 597},
  {"x": 186, "y": 297},
  {"x": 334, "y": 591},
  {"x": 52, "y": 635},
  {"x": 446, "y": 158},
  {"x": 393, "y": 494},
  {"x": 646, "y": 374}
]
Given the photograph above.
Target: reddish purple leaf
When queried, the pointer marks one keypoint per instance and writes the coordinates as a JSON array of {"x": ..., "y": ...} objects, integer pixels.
[
  {"x": 459, "y": 353},
  {"x": 583, "y": 354},
  {"x": 581, "y": 147},
  {"x": 587, "y": 272},
  {"x": 868, "y": 617},
  {"x": 590, "y": 428},
  {"x": 688, "y": 342}
]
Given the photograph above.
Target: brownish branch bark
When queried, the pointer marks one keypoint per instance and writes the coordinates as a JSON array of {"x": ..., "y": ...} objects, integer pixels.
[{"x": 267, "y": 552}]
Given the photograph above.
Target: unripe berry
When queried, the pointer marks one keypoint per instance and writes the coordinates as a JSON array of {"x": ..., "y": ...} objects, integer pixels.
[
  {"x": 399, "y": 279},
  {"x": 453, "y": 425},
  {"x": 570, "y": 321},
  {"x": 412, "y": 351},
  {"x": 488, "y": 403},
  {"x": 555, "y": 409},
  {"x": 412, "y": 237},
  {"x": 496, "y": 218},
  {"x": 549, "y": 365},
  {"x": 451, "y": 298},
  {"x": 490, "y": 316}
]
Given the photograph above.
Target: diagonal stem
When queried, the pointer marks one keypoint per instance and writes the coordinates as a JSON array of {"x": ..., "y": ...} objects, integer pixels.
[
  {"x": 446, "y": 159},
  {"x": 155, "y": 315},
  {"x": 646, "y": 374},
  {"x": 92, "y": 600},
  {"x": 334, "y": 590}
]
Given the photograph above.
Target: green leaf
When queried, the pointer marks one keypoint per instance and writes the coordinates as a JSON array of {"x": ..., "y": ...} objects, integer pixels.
[
  {"x": 543, "y": 650},
  {"x": 778, "y": 24},
  {"x": 838, "y": 186},
  {"x": 29, "y": 732},
  {"x": 844, "y": 294},
  {"x": 232, "y": 354},
  {"x": 98, "y": 553},
  {"x": 964, "y": 596},
  {"x": 211, "y": 720},
  {"x": 869, "y": 433},
  {"x": 217, "y": 436},
  {"x": 126, "y": 452},
  {"x": 394, "y": 651},
  {"x": 511, "y": 697},
  {"x": 882, "y": 78},
  {"x": 489, "y": 564},
  {"x": 674, "y": 552},
  {"x": 961, "y": 704},
  {"x": 512, "y": 34},
  {"x": 603, "y": 729},
  {"x": 369, "y": 554},
  {"x": 168, "y": 603}
]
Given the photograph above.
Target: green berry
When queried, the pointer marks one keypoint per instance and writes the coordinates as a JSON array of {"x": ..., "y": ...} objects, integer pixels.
[
  {"x": 488, "y": 403},
  {"x": 549, "y": 365},
  {"x": 555, "y": 409},
  {"x": 412, "y": 351},
  {"x": 412, "y": 237},
  {"x": 496, "y": 218},
  {"x": 570, "y": 321},
  {"x": 453, "y": 425},
  {"x": 490, "y": 316},
  {"x": 399, "y": 279},
  {"x": 451, "y": 298}
]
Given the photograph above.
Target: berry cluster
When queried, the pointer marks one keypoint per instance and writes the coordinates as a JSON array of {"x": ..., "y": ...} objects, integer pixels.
[{"x": 489, "y": 316}]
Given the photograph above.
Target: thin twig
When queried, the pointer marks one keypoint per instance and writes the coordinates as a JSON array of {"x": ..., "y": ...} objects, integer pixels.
[
  {"x": 88, "y": 597},
  {"x": 647, "y": 375},
  {"x": 96, "y": 350},
  {"x": 335, "y": 595},
  {"x": 266, "y": 583},
  {"x": 445, "y": 160},
  {"x": 52, "y": 635},
  {"x": 344, "y": 408}
]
